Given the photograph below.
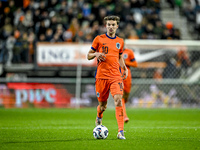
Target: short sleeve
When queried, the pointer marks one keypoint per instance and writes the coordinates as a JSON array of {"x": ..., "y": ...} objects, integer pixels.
[
  {"x": 132, "y": 56},
  {"x": 95, "y": 43},
  {"x": 122, "y": 48}
]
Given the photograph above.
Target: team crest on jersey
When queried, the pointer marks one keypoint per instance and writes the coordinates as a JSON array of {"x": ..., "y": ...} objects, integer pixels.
[
  {"x": 118, "y": 45},
  {"x": 125, "y": 56},
  {"x": 98, "y": 94}
]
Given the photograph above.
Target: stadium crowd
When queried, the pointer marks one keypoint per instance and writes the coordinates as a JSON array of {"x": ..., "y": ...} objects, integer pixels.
[
  {"x": 191, "y": 10},
  {"x": 24, "y": 23}
]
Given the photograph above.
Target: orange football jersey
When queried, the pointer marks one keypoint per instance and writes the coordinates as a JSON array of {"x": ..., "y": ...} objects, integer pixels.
[
  {"x": 112, "y": 48},
  {"x": 128, "y": 56}
]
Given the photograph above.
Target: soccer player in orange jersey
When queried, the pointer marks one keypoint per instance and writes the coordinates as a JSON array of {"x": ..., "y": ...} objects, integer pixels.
[
  {"x": 130, "y": 61},
  {"x": 108, "y": 49}
]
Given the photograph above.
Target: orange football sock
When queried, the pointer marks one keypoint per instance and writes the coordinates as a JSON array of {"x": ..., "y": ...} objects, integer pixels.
[
  {"x": 99, "y": 112},
  {"x": 124, "y": 107},
  {"x": 119, "y": 117}
]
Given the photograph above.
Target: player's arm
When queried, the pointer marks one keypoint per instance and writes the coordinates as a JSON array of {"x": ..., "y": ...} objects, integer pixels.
[
  {"x": 92, "y": 54},
  {"x": 123, "y": 66},
  {"x": 131, "y": 63}
]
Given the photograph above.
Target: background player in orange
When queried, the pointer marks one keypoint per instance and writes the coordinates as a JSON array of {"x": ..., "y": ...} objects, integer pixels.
[
  {"x": 130, "y": 61},
  {"x": 108, "y": 49}
]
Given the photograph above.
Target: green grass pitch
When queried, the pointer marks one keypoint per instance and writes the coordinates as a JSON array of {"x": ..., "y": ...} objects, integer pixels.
[{"x": 69, "y": 129}]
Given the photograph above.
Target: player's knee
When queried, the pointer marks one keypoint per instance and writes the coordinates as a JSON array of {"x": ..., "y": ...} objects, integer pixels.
[
  {"x": 118, "y": 100},
  {"x": 103, "y": 108}
]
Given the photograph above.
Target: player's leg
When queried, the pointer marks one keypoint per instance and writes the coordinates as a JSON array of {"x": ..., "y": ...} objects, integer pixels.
[
  {"x": 100, "y": 109},
  {"x": 116, "y": 90},
  {"x": 124, "y": 101},
  {"x": 127, "y": 89},
  {"x": 119, "y": 115},
  {"x": 102, "y": 92}
]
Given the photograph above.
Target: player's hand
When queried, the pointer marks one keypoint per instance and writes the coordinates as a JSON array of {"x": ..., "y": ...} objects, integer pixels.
[
  {"x": 100, "y": 56},
  {"x": 125, "y": 74}
]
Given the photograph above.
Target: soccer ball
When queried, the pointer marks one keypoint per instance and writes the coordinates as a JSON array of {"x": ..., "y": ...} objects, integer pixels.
[{"x": 100, "y": 132}]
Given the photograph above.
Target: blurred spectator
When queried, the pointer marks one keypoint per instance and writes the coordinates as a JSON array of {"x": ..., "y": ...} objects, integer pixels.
[
  {"x": 31, "y": 47},
  {"x": 86, "y": 10},
  {"x": 53, "y": 23},
  {"x": 139, "y": 30},
  {"x": 170, "y": 26},
  {"x": 28, "y": 19},
  {"x": 68, "y": 35},
  {"x": 17, "y": 49},
  {"x": 129, "y": 27},
  {"x": 63, "y": 18},
  {"x": 177, "y": 34},
  {"x": 137, "y": 17},
  {"x": 102, "y": 14},
  {"x": 95, "y": 29},
  {"x": 42, "y": 38},
  {"x": 149, "y": 31},
  {"x": 3, "y": 53},
  {"x": 166, "y": 35},
  {"x": 88, "y": 38},
  {"x": 183, "y": 60},
  {"x": 9, "y": 46},
  {"x": 49, "y": 34},
  {"x": 42, "y": 28},
  {"x": 158, "y": 74},
  {"x": 18, "y": 13},
  {"x": 74, "y": 26},
  {"x": 21, "y": 27},
  {"x": 191, "y": 10},
  {"x": 6, "y": 29},
  {"x": 59, "y": 32},
  {"x": 158, "y": 29},
  {"x": 133, "y": 35},
  {"x": 25, "y": 47},
  {"x": 171, "y": 71}
]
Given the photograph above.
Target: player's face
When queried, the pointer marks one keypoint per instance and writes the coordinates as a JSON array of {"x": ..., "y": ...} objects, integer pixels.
[{"x": 111, "y": 27}]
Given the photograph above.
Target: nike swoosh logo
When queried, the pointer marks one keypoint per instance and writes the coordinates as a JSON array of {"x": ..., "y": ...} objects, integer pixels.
[
  {"x": 147, "y": 56},
  {"x": 104, "y": 43}
]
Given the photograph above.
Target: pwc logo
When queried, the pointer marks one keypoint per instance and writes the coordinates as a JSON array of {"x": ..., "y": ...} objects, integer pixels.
[{"x": 34, "y": 95}]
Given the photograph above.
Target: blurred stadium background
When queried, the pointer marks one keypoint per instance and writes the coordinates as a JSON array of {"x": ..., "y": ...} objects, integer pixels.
[{"x": 43, "y": 47}]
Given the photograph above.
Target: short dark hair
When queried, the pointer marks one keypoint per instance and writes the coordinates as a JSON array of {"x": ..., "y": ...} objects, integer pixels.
[{"x": 115, "y": 18}]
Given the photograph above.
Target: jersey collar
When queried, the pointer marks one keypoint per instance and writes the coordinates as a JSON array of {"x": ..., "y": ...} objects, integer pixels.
[{"x": 110, "y": 37}]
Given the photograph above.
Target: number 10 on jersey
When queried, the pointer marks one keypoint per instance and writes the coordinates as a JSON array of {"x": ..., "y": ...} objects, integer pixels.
[{"x": 105, "y": 49}]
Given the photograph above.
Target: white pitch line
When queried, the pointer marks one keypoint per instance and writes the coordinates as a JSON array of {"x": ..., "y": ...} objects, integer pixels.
[
  {"x": 44, "y": 128},
  {"x": 70, "y": 127},
  {"x": 166, "y": 127}
]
